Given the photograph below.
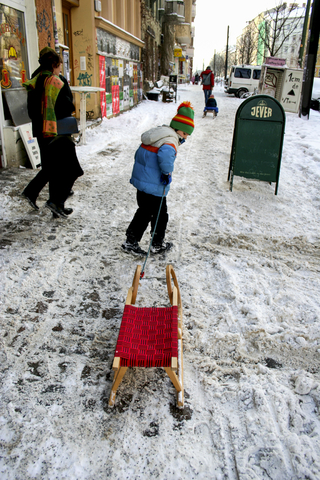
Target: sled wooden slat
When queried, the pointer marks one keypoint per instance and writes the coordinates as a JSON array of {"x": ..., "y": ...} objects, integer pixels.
[{"x": 151, "y": 337}]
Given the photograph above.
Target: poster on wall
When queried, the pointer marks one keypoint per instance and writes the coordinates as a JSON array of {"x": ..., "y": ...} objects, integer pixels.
[
  {"x": 115, "y": 99},
  {"x": 66, "y": 65},
  {"x": 109, "y": 105},
  {"x": 102, "y": 84},
  {"x": 126, "y": 97},
  {"x": 121, "y": 68},
  {"x": 135, "y": 83},
  {"x": 121, "y": 101}
]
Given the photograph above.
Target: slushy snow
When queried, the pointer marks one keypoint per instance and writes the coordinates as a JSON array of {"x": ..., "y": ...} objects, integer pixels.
[{"x": 247, "y": 263}]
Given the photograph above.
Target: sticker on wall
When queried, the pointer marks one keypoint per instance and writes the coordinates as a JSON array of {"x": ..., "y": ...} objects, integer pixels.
[{"x": 83, "y": 63}]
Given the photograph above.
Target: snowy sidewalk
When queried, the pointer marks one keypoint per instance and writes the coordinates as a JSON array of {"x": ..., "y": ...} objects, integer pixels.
[{"x": 247, "y": 263}]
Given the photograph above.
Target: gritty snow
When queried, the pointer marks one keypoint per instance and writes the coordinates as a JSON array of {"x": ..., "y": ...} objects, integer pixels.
[{"x": 247, "y": 263}]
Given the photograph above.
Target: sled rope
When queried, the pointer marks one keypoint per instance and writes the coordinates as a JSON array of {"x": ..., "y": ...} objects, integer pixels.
[{"x": 154, "y": 230}]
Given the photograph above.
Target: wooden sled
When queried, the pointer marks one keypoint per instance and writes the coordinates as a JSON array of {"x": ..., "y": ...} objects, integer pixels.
[
  {"x": 151, "y": 337},
  {"x": 213, "y": 110}
]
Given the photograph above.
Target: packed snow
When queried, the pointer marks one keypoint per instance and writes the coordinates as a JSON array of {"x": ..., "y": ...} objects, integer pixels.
[{"x": 247, "y": 263}]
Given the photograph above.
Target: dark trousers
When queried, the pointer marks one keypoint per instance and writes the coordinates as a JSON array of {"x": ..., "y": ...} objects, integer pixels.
[
  {"x": 36, "y": 185},
  {"x": 207, "y": 94},
  {"x": 42, "y": 178},
  {"x": 147, "y": 212},
  {"x": 59, "y": 167}
]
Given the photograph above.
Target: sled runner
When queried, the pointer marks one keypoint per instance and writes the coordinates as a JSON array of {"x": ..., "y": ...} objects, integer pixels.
[{"x": 151, "y": 337}]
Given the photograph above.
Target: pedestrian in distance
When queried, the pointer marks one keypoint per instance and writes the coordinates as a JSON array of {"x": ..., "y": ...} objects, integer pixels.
[
  {"x": 50, "y": 99},
  {"x": 152, "y": 175},
  {"x": 211, "y": 106},
  {"x": 207, "y": 78}
]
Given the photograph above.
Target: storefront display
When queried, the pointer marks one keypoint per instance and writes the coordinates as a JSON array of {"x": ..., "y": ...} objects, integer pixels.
[{"x": 13, "y": 48}]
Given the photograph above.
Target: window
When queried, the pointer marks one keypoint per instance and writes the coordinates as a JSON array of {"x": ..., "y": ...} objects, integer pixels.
[
  {"x": 256, "y": 74},
  {"x": 242, "y": 73},
  {"x": 14, "y": 67}
]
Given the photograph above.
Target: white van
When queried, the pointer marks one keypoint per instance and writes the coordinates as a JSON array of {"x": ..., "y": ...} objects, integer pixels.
[{"x": 242, "y": 79}]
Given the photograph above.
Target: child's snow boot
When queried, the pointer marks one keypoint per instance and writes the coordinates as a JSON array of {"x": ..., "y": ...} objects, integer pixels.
[
  {"x": 132, "y": 246},
  {"x": 161, "y": 247}
]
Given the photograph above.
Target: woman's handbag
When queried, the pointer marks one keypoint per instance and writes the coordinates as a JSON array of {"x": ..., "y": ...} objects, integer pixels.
[{"x": 67, "y": 126}]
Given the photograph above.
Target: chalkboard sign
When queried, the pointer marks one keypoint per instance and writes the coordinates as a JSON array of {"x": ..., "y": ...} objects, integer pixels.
[{"x": 257, "y": 140}]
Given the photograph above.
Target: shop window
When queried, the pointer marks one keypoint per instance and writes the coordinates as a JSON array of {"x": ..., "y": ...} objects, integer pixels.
[{"x": 14, "y": 65}]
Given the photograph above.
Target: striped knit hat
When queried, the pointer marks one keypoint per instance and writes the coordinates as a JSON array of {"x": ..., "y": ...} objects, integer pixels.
[{"x": 184, "y": 118}]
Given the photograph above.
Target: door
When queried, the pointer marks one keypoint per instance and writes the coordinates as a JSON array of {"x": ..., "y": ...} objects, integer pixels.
[{"x": 68, "y": 62}]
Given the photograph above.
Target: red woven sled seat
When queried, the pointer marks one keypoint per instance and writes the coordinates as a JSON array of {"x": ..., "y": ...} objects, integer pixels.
[
  {"x": 151, "y": 337},
  {"x": 148, "y": 337}
]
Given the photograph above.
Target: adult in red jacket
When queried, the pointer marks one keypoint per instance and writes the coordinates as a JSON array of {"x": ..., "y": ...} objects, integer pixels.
[{"x": 207, "y": 78}]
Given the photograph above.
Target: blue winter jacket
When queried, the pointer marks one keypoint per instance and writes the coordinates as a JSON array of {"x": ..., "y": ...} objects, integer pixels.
[{"x": 156, "y": 155}]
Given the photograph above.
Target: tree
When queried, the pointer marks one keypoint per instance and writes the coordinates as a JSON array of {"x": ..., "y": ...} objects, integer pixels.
[
  {"x": 278, "y": 25},
  {"x": 247, "y": 45},
  {"x": 217, "y": 64}
]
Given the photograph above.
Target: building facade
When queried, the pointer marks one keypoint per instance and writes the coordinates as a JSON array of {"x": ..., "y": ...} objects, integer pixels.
[
  {"x": 108, "y": 44},
  {"x": 100, "y": 44},
  {"x": 281, "y": 30},
  {"x": 290, "y": 45},
  {"x": 151, "y": 33}
]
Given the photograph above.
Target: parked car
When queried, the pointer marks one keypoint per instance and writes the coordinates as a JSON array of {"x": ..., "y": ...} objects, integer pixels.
[
  {"x": 243, "y": 79},
  {"x": 315, "y": 104}
]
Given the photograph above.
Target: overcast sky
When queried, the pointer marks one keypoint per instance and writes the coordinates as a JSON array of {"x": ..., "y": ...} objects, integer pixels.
[{"x": 212, "y": 20}]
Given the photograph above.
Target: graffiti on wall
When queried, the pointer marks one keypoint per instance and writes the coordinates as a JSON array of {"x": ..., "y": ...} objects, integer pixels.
[
  {"x": 89, "y": 58},
  {"x": 45, "y": 23},
  {"x": 85, "y": 79}
]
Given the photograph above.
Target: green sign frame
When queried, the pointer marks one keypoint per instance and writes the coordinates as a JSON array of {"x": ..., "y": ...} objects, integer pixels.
[{"x": 258, "y": 140}]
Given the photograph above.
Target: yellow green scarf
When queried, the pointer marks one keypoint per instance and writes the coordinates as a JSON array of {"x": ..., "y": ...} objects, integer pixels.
[{"x": 52, "y": 86}]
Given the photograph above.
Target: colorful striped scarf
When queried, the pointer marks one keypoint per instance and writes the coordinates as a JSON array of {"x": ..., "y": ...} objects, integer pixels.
[{"x": 52, "y": 86}]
